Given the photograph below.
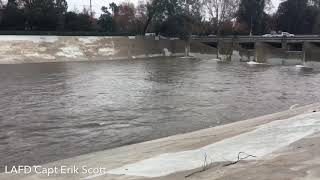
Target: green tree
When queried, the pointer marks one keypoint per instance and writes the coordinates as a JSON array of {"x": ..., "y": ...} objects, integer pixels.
[
  {"x": 44, "y": 14},
  {"x": 12, "y": 17},
  {"x": 296, "y": 16},
  {"x": 177, "y": 26},
  {"x": 78, "y": 21},
  {"x": 174, "y": 17},
  {"x": 61, "y": 7},
  {"x": 124, "y": 18},
  {"x": 115, "y": 8},
  {"x": 106, "y": 21},
  {"x": 251, "y": 14},
  {"x": 159, "y": 11}
]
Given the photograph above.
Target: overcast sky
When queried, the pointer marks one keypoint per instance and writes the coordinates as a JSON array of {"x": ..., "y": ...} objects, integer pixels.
[
  {"x": 275, "y": 4},
  {"x": 97, "y": 4}
]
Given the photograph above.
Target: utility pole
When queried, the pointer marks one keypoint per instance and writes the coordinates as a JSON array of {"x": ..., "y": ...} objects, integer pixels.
[
  {"x": 91, "y": 13},
  {"x": 251, "y": 25}
]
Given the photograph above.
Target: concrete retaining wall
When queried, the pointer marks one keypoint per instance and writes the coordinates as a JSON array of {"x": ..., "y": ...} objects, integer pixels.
[
  {"x": 312, "y": 52},
  {"x": 267, "y": 53},
  {"x": 30, "y": 49}
]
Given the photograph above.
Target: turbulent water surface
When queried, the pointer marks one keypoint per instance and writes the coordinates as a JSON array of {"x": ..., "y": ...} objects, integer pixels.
[{"x": 52, "y": 111}]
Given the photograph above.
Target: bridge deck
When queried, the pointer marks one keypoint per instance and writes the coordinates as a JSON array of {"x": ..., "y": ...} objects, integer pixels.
[{"x": 253, "y": 39}]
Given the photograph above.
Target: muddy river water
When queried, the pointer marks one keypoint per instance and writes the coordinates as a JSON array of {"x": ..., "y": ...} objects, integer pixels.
[{"x": 52, "y": 111}]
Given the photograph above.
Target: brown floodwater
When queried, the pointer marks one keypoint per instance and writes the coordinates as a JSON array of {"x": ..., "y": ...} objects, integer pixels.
[{"x": 52, "y": 111}]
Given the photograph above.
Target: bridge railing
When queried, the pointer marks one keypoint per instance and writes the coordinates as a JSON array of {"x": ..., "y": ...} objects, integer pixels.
[{"x": 298, "y": 38}]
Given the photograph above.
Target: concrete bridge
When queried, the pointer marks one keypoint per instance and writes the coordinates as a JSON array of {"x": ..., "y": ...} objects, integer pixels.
[
  {"x": 253, "y": 39},
  {"x": 258, "y": 48}
]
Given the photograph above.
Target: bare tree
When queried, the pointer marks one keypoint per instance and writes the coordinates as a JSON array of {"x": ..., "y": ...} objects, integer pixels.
[{"x": 220, "y": 11}]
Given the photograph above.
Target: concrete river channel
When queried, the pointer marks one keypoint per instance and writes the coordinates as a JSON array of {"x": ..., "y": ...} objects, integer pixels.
[{"x": 52, "y": 111}]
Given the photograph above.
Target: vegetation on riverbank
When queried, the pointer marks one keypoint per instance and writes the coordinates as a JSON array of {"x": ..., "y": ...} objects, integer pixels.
[{"x": 166, "y": 17}]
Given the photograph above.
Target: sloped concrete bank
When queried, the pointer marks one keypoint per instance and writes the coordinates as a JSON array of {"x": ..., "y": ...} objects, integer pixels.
[
  {"x": 284, "y": 145},
  {"x": 34, "y": 49}
]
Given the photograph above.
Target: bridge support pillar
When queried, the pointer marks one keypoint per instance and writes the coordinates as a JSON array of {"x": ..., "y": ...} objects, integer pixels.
[
  {"x": 260, "y": 52},
  {"x": 225, "y": 50},
  {"x": 187, "y": 48},
  {"x": 273, "y": 53},
  {"x": 312, "y": 51},
  {"x": 304, "y": 53},
  {"x": 284, "y": 45},
  {"x": 205, "y": 50},
  {"x": 246, "y": 51}
]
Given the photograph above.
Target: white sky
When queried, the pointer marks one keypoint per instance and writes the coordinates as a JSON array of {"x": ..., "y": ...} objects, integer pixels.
[
  {"x": 275, "y": 4},
  {"x": 97, "y": 4}
]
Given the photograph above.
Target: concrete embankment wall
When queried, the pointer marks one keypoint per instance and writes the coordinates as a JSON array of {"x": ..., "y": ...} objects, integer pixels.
[
  {"x": 312, "y": 51},
  {"x": 32, "y": 49}
]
